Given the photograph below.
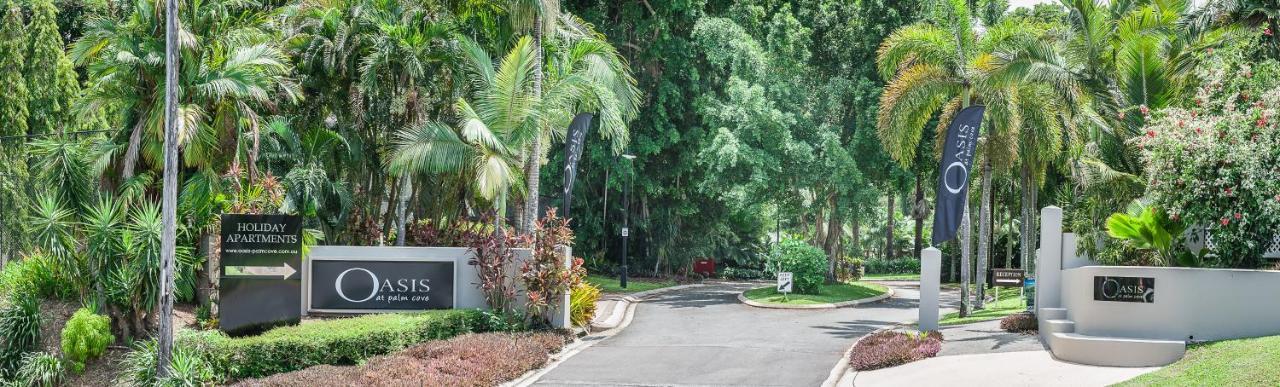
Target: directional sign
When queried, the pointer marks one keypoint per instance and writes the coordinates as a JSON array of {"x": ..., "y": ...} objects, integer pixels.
[
  {"x": 1007, "y": 278},
  {"x": 626, "y": 231},
  {"x": 260, "y": 285},
  {"x": 784, "y": 282}
]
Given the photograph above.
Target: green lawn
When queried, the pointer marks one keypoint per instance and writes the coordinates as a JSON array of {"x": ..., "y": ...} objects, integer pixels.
[
  {"x": 828, "y": 294},
  {"x": 892, "y": 277},
  {"x": 1010, "y": 302},
  {"x": 1244, "y": 362},
  {"x": 610, "y": 284}
]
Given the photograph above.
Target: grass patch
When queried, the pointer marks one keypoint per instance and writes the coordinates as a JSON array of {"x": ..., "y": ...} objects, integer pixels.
[
  {"x": 610, "y": 284},
  {"x": 1243, "y": 362},
  {"x": 827, "y": 294},
  {"x": 891, "y": 277},
  {"x": 1010, "y": 302}
]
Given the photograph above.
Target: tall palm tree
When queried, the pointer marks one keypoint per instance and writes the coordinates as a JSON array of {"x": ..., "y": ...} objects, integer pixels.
[
  {"x": 1215, "y": 14},
  {"x": 935, "y": 70}
]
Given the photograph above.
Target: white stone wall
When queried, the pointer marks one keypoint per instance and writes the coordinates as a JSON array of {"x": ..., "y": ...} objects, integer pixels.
[{"x": 1190, "y": 304}]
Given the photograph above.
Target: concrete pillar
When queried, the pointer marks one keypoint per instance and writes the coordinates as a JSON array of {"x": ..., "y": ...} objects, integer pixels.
[
  {"x": 1049, "y": 259},
  {"x": 560, "y": 307},
  {"x": 930, "y": 275}
]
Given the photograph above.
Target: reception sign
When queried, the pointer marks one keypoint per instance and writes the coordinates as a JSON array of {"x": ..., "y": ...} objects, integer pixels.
[
  {"x": 1007, "y": 278},
  {"x": 371, "y": 285},
  {"x": 1124, "y": 289},
  {"x": 260, "y": 286}
]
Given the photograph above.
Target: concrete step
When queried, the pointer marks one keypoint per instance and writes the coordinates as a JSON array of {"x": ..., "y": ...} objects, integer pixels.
[
  {"x": 1059, "y": 326},
  {"x": 1115, "y": 351},
  {"x": 1053, "y": 314}
]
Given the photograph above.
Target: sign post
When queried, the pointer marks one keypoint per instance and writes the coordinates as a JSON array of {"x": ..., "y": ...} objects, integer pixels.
[
  {"x": 261, "y": 287},
  {"x": 784, "y": 284},
  {"x": 1006, "y": 278}
]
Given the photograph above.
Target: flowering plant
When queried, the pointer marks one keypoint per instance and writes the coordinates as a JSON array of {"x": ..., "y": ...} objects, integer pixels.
[{"x": 1217, "y": 164}]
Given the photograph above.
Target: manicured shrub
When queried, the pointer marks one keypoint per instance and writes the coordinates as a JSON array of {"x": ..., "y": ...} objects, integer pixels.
[
  {"x": 891, "y": 266},
  {"x": 1021, "y": 322},
  {"x": 337, "y": 342},
  {"x": 891, "y": 348},
  {"x": 471, "y": 360},
  {"x": 85, "y": 337},
  {"x": 807, "y": 264},
  {"x": 40, "y": 369},
  {"x": 582, "y": 303}
]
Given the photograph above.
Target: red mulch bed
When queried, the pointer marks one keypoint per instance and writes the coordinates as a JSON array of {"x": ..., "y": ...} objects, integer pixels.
[{"x": 485, "y": 359}]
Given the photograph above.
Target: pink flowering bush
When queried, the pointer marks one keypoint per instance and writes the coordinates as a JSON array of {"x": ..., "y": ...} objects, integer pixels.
[
  {"x": 1216, "y": 163},
  {"x": 891, "y": 348}
]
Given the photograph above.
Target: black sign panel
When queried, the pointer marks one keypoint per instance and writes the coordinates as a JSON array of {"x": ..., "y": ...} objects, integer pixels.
[
  {"x": 954, "y": 171},
  {"x": 1007, "y": 278},
  {"x": 357, "y": 286},
  {"x": 261, "y": 285},
  {"x": 1124, "y": 289},
  {"x": 572, "y": 152}
]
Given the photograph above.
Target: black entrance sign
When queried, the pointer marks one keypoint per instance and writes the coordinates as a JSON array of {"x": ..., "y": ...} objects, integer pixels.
[
  {"x": 1124, "y": 289},
  {"x": 356, "y": 286},
  {"x": 1007, "y": 278},
  {"x": 261, "y": 285}
]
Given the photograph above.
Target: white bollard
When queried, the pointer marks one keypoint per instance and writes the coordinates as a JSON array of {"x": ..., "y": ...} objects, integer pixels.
[
  {"x": 930, "y": 276},
  {"x": 560, "y": 306}
]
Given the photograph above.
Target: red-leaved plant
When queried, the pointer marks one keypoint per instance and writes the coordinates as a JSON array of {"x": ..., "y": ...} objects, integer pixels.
[
  {"x": 891, "y": 348},
  {"x": 545, "y": 275},
  {"x": 493, "y": 256}
]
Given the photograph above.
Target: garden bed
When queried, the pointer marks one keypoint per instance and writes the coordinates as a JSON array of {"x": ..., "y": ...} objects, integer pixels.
[
  {"x": 889, "y": 348},
  {"x": 472, "y": 360},
  {"x": 827, "y": 294}
]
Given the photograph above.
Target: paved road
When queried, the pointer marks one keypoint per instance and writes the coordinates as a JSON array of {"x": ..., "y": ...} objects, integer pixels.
[{"x": 704, "y": 336}]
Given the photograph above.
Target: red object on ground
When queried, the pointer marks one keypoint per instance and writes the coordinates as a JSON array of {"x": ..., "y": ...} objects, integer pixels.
[{"x": 706, "y": 267}]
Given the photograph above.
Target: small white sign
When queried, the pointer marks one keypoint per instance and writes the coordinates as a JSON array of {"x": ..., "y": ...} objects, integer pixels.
[
  {"x": 784, "y": 282},
  {"x": 626, "y": 231}
]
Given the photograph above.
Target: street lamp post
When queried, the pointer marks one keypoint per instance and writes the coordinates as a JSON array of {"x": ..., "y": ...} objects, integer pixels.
[{"x": 626, "y": 222}]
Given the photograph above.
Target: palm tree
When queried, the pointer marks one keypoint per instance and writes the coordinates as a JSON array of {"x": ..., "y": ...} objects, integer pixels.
[
  {"x": 1246, "y": 13},
  {"x": 939, "y": 69}
]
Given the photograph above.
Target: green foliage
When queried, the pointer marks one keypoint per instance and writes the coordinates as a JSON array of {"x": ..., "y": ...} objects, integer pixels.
[
  {"x": 582, "y": 303},
  {"x": 19, "y": 329},
  {"x": 85, "y": 337},
  {"x": 40, "y": 369},
  {"x": 807, "y": 264},
  {"x": 1146, "y": 227},
  {"x": 1213, "y": 164},
  {"x": 336, "y": 342},
  {"x": 187, "y": 368},
  {"x": 904, "y": 265},
  {"x": 51, "y": 80},
  {"x": 13, "y": 53}
]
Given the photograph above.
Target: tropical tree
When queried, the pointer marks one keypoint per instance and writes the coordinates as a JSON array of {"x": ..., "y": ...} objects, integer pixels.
[
  {"x": 1215, "y": 14},
  {"x": 935, "y": 70},
  {"x": 51, "y": 80},
  {"x": 13, "y": 130}
]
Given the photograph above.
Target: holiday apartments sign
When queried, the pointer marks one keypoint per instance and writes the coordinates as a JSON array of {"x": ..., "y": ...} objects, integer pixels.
[{"x": 260, "y": 286}]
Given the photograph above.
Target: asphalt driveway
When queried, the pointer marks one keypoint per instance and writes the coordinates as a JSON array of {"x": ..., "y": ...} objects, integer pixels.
[{"x": 704, "y": 337}]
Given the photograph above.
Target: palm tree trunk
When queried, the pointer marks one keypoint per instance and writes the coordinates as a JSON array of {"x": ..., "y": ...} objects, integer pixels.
[
  {"x": 1025, "y": 238},
  {"x": 406, "y": 189},
  {"x": 888, "y": 230},
  {"x": 984, "y": 232},
  {"x": 533, "y": 168},
  {"x": 964, "y": 260},
  {"x": 169, "y": 200},
  {"x": 918, "y": 213}
]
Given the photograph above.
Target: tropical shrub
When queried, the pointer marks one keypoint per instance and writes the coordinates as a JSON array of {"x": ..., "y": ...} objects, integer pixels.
[
  {"x": 544, "y": 275},
  {"x": 1217, "y": 164},
  {"x": 337, "y": 342},
  {"x": 85, "y": 337},
  {"x": 807, "y": 264},
  {"x": 471, "y": 360},
  {"x": 19, "y": 329},
  {"x": 1020, "y": 322},
  {"x": 492, "y": 258},
  {"x": 187, "y": 367},
  {"x": 879, "y": 265},
  {"x": 40, "y": 369},
  {"x": 739, "y": 273},
  {"x": 582, "y": 303},
  {"x": 891, "y": 348},
  {"x": 1150, "y": 231}
]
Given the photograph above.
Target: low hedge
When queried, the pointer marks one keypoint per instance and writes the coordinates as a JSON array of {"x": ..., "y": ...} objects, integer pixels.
[{"x": 335, "y": 342}]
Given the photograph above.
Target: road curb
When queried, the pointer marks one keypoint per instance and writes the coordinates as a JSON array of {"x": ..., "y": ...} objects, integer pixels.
[
  {"x": 627, "y": 302},
  {"x": 742, "y": 297}
]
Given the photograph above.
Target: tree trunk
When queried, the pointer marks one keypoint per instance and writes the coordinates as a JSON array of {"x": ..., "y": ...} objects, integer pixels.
[
  {"x": 918, "y": 213},
  {"x": 820, "y": 227},
  {"x": 1033, "y": 237},
  {"x": 833, "y": 237},
  {"x": 984, "y": 233},
  {"x": 888, "y": 230},
  {"x": 965, "y": 231},
  {"x": 534, "y": 166},
  {"x": 1008, "y": 247},
  {"x": 406, "y": 190},
  {"x": 388, "y": 207},
  {"x": 1025, "y": 238},
  {"x": 169, "y": 191}
]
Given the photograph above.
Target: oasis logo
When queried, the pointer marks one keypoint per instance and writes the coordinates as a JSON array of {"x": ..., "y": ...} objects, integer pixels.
[
  {"x": 403, "y": 289},
  {"x": 1124, "y": 289}
]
